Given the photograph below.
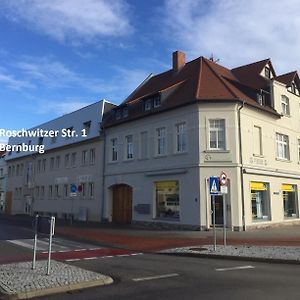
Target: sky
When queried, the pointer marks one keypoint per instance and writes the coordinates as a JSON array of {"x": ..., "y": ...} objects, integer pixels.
[{"x": 57, "y": 56}]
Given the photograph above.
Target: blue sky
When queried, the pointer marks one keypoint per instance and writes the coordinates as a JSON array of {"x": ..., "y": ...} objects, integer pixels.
[{"x": 60, "y": 55}]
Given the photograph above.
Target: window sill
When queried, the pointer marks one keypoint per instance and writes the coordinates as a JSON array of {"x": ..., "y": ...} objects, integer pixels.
[
  {"x": 216, "y": 151},
  {"x": 180, "y": 153},
  {"x": 283, "y": 160},
  {"x": 167, "y": 219},
  {"x": 258, "y": 155},
  {"x": 128, "y": 160},
  {"x": 160, "y": 155},
  {"x": 112, "y": 162}
]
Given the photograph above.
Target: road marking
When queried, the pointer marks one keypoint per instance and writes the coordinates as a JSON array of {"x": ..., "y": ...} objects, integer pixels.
[
  {"x": 62, "y": 251},
  {"x": 73, "y": 259},
  {"x": 80, "y": 250},
  {"x": 95, "y": 248},
  {"x": 123, "y": 255},
  {"x": 155, "y": 277},
  {"x": 90, "y": 258},
  {"x": 235, "y": 268},
  {"x": 134, "y": 254},
  {"x": 26, "y": 244}
]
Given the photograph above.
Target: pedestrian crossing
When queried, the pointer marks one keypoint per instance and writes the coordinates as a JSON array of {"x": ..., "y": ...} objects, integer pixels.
[{"x": 58, "y": 245}]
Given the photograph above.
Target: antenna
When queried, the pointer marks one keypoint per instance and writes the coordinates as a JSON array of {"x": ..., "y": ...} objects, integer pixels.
[{"x": 212, "y": 58}]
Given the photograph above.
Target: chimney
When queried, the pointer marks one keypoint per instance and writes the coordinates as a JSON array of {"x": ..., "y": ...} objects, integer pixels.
[{"x": 178, "y": 60}]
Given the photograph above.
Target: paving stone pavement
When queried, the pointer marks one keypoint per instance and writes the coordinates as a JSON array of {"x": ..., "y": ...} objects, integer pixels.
[
  {"x": 18, "y": 280},
  {"x": 275, "y": 253}
]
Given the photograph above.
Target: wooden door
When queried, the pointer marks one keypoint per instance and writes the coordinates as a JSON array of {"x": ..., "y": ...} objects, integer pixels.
[
  {"x": 8, "y": 203},
  {"x": 122, "y": 204}
]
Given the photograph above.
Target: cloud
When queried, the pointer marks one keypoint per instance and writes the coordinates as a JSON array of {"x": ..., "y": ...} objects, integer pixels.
[
  {"x": 10, "y": 81},
  {"x": 237, "y": 32},
  {"x": 59, "y": 107},
  {"x": 71, "y": 20}
]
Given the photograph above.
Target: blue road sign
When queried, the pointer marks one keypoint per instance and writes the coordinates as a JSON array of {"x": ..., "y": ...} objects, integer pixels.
[
  {"x": 214, "y": 185},
  {"x": 73, "y": 188}
]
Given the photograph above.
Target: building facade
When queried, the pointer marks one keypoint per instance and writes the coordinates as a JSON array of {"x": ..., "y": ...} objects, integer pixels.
[
  {"x": 192, "y": 122},
  {"x": 3, "y": 174},
  {"x": 41, "y": 182}
]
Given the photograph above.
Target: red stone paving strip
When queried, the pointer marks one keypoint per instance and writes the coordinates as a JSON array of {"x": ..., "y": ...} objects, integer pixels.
[{"x": 152, "y": 244}]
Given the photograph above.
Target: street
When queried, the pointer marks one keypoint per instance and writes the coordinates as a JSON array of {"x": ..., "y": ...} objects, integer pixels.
[{"x": 156, "y": 276}]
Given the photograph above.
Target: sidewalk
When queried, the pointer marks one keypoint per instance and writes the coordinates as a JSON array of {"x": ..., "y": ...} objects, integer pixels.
[{"x": 134, "y": 239}]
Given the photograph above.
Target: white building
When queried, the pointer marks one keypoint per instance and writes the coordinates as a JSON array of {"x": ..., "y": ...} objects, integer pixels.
[
  {"x": 41, "y": 182},
  {"x": 3, "y": 174}
]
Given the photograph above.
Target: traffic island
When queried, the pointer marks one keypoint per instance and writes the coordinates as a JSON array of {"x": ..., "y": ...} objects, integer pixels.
[{"x": 19, "y": 281}]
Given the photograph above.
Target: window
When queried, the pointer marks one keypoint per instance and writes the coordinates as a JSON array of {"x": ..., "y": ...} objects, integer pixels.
[
  {"x": 53, "y": 139},
  {"x": 125, "y": 112},
  {"x": 91, "y": 189},
  {"x": 289, "y": 200},
  {"x": 1, "y": 172},
  {"x": 56, "y": 188},
  {"x": 144, "y": 145},
  {"x": 148, "y": 104},
  {"x": 181, "y": 138},
  {"x": 294, "y": 89},
  {"x": 18, "y": 170},
  {"x": 40, "y": 141},
  {"x": 73, "y": 159},
  {"x": 57, "y": 162},
  {"x": 84, "y": 157},
  {"x": 9, "y": 172},
  {"x": 129, "y": 147},
  {"x": 21, "y": 169},
  {"x": 44, "y": 165},
  {"x": 114, "y": 149},
  {"x": 118, "y": 114},
  {"x": 39, "y": 165},
  {"x": 51, "y": 163},
  {"x": 167, "y": 199},
  {"x": 50, "y": 191},
  {"x": 299, "y": 151},
  {"x": 42, "y": 191},
  {"x": 37, "y": 192},
  {"x": 92, "y": 156},
  {"x": 282, "y": 144},
  {"x": 285, "y": 105},
  {"x": 66, "y": 190},
  {"x": 13, "y": 171},
  {"x": 260, "y": 201},
  {"x": 67, "y": 160},
  {"x": 261, "y": 99},
  {"x": 83, "y": 193},
  {"x": 86, "y": 127},
  {"x": 156, "y": 101},
  {"x": 69, "y": 132},
  {"x": 257, "y": 140},
  {"x": 267, "y": 72},
  {"x": 161, "y": 141},
  {"x": 217, "y": 134}
]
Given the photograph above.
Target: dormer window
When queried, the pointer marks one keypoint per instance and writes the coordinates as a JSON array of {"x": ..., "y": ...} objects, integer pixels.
[
  {"x": 267, "y": 72},
  {"x": 118, "y": 114},
  {"x": 148, "y": 104},
  {"x": 261, "y": 99},
  {"x": 125, "y": 112},
  {"x": 285, "y": 105},
  {"x": 294, "y": 89},
  {"x": 157, "y": 101}
]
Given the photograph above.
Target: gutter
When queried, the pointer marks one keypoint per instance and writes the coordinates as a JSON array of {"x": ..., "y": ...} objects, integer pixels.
[
  {"x": 241, "y": 162},
  {"x": 103, "y": 175}
]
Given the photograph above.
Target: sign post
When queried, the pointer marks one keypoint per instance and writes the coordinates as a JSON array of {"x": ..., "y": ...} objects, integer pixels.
[
  {"x": 36, "y": 220},
  {"x": 224, "y": 191},
  {"x": 52, "y": 226},
  {"x": 214, "y": 190}
]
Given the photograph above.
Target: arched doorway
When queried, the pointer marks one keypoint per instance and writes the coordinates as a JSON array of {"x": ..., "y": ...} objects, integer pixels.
[{"x": 122, "y": 204}]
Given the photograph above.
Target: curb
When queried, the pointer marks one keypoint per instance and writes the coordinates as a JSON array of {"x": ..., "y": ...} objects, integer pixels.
[
  {"x": 61, "y": 289},
  {"x": 240, "y": 258}
]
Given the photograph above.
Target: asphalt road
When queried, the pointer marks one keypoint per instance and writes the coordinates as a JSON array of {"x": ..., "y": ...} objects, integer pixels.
[{"x": 167, "y": 277}]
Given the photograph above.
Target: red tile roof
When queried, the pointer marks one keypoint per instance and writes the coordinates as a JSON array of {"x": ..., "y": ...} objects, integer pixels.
[
  {"x": 287, "y": 78},
  {"x": 199, "y": 80}
]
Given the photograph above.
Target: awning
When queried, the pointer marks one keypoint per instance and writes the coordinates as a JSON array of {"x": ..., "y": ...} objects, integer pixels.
[
  {"x": 166, "y": 185},
  {"x": 258, "y": 186},
  {"x": 287, "y": 188}
]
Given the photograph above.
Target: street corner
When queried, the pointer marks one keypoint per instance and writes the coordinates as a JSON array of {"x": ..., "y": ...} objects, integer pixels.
[{"x": 19, "y": 281}]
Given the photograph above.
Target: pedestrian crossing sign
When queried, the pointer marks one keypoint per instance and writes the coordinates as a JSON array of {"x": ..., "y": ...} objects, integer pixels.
[{"x": 214, "y": 185}]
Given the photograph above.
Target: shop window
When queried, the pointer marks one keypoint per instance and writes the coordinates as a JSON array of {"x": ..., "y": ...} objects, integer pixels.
[
  {"x": 289, "y": 200},
  {"x": 167, "y": 200},
  {"x": 260, "y": 201}
]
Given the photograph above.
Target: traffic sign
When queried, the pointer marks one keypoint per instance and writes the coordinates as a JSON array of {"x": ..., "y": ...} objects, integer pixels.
[
  {"x": 223, "y": 179},
  {"x": 73, "y": 188},
  {"x": 214, "y": 185}
]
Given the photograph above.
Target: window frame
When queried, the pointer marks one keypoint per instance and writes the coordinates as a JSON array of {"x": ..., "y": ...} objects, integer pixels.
[
  {"x": 282, "y": 146},
  {"x": 218, "y": 131}
]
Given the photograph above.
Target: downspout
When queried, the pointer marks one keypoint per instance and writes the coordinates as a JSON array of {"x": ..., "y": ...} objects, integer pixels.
[
  {"x": 241, "y": 164},
  {"x": 103, "y": 175}
]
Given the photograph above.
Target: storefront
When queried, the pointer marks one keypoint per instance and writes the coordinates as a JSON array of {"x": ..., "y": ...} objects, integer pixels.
[
  {"x": 167, "y": 200},
  {"x": 260, "y": 201},
  {"x": 289, "y": 197}
]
